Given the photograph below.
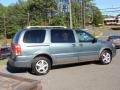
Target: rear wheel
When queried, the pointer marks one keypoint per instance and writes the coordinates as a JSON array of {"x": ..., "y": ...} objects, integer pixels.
[
  {"x": 105, "y": 57},
  {"x": 41, "y": 65}
]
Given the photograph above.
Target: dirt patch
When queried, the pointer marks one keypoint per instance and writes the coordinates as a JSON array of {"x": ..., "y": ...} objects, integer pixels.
[{"x": 11, "y": 82}]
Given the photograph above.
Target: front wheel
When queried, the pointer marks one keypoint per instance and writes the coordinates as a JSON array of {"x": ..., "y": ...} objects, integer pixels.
[
  {"x": 105, "y": 57},
  {"x": 41, "y": 66}
]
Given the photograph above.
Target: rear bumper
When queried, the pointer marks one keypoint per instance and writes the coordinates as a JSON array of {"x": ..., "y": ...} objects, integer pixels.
[{"x": 20, "y": 62}]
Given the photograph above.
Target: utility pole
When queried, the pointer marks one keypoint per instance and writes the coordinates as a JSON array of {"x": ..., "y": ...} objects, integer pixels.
[
  {"x": 93, "y": 18},
  {"x": 46, "y": 12},
  {"x": 80, "y": 13},
  {"x": 83, "y": 13},
  {"x": 5, "y": 29},
  {"x": 71, "y": 24}
]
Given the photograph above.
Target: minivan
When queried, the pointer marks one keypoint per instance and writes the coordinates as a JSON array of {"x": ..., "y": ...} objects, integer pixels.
[{"x": 40, "y": 49}]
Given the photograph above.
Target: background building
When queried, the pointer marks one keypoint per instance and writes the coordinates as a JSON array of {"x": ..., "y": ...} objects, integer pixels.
[{"x": 112, "y": 20}]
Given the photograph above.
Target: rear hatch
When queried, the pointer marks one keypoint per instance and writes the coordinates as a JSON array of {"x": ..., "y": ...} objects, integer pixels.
[
  {"x": 15, "y": 46},
  {"x": 27, "y": 42}
]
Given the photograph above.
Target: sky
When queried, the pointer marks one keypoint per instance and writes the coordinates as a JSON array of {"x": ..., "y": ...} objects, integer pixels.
[
  {"x": 107, "y": 5},
  {"x": 102, "y": 4},
  {"x": 8, "y": 2}
]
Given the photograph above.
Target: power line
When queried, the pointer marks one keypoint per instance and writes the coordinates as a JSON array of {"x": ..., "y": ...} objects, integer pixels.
[
  {"x": 112, "y": 11},
  {"x": 109, "y": 8}
]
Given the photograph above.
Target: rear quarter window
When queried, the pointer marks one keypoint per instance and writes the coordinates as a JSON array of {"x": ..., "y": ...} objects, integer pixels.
[
  {"x": 16, "y": 37},
  {"x": 34, "y": 36}
]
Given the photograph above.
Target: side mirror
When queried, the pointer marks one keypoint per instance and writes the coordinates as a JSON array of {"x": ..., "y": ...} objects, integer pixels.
[{"x": 94, "y": 40}]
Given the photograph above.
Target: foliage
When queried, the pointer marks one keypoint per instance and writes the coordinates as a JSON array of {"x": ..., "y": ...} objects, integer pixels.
[
  {"x": 44, "y": 12},
  {"x": 76, "y": 9},
  {"x": 97, "y": 17},
  {"x": 2, "y": 11},
  {"x": 41, "y": 11},
  {"x": 3, "y": 62},
  {"x": 58, "y": 20}
]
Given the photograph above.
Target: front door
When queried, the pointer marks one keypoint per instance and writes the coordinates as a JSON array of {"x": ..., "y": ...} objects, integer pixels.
[{"x": 86, "y": 48}]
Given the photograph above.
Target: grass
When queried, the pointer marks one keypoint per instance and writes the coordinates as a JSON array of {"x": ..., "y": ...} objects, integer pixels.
[
  {"x": 3, "y": 41},
  {"x": 98, "y": 31},
  {"x": 3, "y": 62}
]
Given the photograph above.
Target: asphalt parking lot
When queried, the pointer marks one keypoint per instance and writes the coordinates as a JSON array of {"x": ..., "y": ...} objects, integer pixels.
[{"x": 84, "y": 76}]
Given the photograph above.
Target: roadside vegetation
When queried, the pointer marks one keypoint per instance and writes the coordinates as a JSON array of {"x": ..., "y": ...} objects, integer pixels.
[
  {"x": 3, "y": 62},
  {"x": 4, "y": 41},
  {"x": 45, "y": 12}
]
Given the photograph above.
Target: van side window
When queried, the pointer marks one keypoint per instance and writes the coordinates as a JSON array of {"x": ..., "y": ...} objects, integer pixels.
[
  {"x": 62, "y": 36},
  {"x": 34, "y": 36}
]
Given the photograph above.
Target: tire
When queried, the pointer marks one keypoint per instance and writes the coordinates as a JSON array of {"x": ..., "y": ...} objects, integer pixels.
[
  {"x": 41, "y": 66},
  {"x": 105, "y": 57}
]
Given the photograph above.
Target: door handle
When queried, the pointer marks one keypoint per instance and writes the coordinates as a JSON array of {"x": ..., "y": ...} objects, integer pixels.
[
  {"x": 73, "y": 45},
  {"x": 81, "y": 45}
]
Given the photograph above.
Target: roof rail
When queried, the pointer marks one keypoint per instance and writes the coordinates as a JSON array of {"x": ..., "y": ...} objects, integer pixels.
[{"x": 32, "y": 27}]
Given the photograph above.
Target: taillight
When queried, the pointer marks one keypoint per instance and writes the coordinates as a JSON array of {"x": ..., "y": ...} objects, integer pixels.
[{"x": 16, "y": 49}]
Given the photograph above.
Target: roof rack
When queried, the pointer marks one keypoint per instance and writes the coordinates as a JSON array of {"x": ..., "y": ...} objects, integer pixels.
[{"x": 32, "y": 27}]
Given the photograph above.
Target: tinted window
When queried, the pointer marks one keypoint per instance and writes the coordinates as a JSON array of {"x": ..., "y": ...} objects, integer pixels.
[
  {"x": 62, "y": 36},
  {"x": 16, "y": 37},
  {"x": 84, "y": 36},
  {"x": 34, "y": 36}
]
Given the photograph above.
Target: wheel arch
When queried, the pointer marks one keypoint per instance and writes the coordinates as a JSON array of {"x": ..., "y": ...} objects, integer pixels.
[
  {"x": 105, "y": 49},
  {"x": 45, "y": 55}
]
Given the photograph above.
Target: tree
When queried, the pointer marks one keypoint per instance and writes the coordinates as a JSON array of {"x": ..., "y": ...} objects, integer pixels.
[
  {"x": 76, "y": 13},
  {"x": 16, "y": 17},
  {"x": 58, "y": 20},
  {"x": 97, "y": 17},
  {"x": 45, "y": 12},
  {"x": 2, "y": 13},
  {"x": 42, "y": 10}
]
